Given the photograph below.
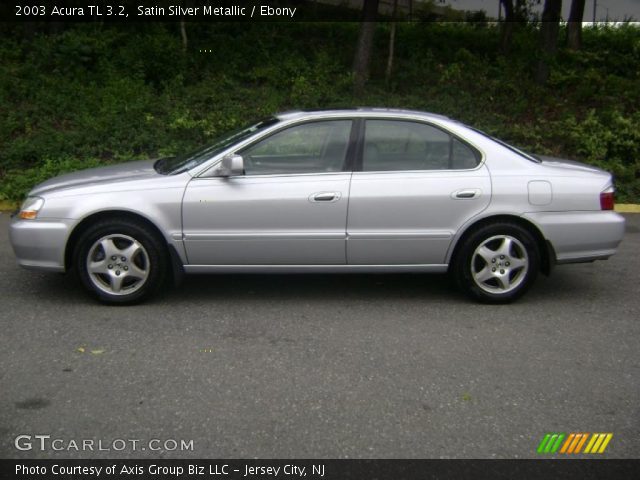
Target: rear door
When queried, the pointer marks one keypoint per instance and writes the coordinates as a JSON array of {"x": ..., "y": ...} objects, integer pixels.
[{"x": 416, "y": 186}]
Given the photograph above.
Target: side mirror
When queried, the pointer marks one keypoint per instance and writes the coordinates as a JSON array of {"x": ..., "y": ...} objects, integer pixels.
[{"x": 231, "y": 165}]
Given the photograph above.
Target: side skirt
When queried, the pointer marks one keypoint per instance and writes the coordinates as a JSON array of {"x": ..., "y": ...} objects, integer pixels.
[{"x": 440, "y": 268}]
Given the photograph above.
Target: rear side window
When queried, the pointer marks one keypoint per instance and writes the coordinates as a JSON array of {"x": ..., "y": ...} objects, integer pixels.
[
  {"x": 392, "y": 145},
  {"x": 463, "y": 156}
]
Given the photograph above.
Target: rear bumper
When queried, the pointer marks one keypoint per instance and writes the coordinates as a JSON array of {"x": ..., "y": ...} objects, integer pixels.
[
  {"x": 580, "y": 236},
  {"x": 40, "y": 244}
]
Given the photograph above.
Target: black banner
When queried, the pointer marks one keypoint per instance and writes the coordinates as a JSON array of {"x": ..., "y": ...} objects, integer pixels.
[
  {"x": 132, "y": 11},
  {"x": 125, "y": 11},
  {"x": 319, "y": 469}
]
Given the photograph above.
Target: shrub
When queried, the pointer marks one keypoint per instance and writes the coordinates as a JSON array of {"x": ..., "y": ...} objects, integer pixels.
[{"x": 101, "y": 93}]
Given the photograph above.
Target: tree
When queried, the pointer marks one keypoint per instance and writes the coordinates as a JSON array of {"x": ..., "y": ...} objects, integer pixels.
[
  {"x": 513, "y": 14},
  {"x": 507, "y": 25},
  {"x": 183, "y": 34},
  {"x": 56, "y": 27},
  {"x": 183, "y": 28},
  {"x": 574, "y": 27},
  {"x": 362, "y": 58},
  {"x": 548, "y": 38},
  {"x": 392, "y": 43}
]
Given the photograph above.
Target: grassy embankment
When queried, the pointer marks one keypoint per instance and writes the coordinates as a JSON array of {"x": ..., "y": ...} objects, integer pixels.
[{"x": 97, "y": 94}]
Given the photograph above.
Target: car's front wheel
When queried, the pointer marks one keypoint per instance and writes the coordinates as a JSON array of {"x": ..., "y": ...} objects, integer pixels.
[
  {"x": 121, "y": 262},
  {"x": 497, "y": 263}
]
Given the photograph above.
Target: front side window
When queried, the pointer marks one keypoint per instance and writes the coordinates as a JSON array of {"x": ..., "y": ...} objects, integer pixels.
[
  {"x": 392, "y": 145},
  {"x": 313, "y": 147}
]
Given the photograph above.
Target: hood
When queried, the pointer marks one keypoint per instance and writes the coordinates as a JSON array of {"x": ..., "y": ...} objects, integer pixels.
[
  {"x": 113, "y": 173},
  {"x": 561, "y": 163}
]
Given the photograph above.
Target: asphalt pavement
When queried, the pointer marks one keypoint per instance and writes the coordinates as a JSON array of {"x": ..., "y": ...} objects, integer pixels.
[{"x": 320, "y": 366}]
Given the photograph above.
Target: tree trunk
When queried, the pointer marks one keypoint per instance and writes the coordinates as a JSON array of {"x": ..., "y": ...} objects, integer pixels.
[
  {"x": 514, "y": 15},
  {"x": 507, "y": 26},
  {"x": 521, "y": 11},
  {"x": 364, "y": 47},
  {"x": 183, "y": 27},
  {"x": 392, "y": 43},
  {"x": 548, "y": 38},
  {"x": 183, "y": 34},
  {"x": 574, "y": 27},
  {"x": 56, "y": 27}
]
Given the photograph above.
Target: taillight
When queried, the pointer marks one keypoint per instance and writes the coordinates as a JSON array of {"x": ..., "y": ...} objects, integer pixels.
[{"x": 607, "y": 200}]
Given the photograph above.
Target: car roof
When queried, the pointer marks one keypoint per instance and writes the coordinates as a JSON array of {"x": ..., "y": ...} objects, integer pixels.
[{"x": 359, "y": 112}]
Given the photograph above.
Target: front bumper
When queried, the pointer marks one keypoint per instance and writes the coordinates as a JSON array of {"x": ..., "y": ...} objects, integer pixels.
[
  {"x": 40, "y": 244},
  {"x": 581, "y": 236}
]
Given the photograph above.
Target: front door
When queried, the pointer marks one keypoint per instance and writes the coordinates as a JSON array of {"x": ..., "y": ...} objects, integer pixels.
[{"x": 289, "y": 208}]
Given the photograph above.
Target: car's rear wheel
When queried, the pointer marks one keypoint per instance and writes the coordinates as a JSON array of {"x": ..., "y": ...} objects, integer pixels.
[
  {"x": 121, "y": 262},
  {"x": 497, "y": 263}
]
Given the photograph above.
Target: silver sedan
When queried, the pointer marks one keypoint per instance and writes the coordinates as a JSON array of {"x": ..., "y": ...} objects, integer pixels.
[{"x": 363, "y": 190}]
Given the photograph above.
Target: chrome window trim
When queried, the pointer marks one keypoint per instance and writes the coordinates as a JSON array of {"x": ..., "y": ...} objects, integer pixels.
[
  {"x": 434, "y": 125},
  {"x": 274, "y": 175},
  {"x": 439, "y": 122},
  {"x": 275, "y": 129},
  {"x": 306, "y": 122}
]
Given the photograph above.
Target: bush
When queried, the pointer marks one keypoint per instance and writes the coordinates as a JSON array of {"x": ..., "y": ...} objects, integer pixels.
[
  {"x": 611, "y": 141},
  {"x": 21, "y": 181},
  {"x": 105, "y": 93}
]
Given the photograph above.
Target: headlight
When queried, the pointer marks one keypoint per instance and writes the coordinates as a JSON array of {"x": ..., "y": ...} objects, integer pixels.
[{"x": 31, "y": 207}]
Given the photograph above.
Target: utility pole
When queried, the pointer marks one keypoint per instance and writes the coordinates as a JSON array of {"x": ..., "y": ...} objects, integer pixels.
[{"x": 595, "y": 7}]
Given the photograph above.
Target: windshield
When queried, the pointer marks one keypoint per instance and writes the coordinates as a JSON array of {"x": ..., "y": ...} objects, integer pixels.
[
  {"x": 182, "y": 163},
  {"x": 529, "y": 156}
]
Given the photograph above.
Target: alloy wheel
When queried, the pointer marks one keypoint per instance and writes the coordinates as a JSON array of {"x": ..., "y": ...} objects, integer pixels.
[
  {"x": 118, "y": 264},
  {"x": 499, "y": 264}
]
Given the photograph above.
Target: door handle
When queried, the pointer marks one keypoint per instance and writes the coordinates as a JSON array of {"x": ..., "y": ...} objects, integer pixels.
[
  {"x": 466, "y": 194},
  {"x": 325, "y": 197}
]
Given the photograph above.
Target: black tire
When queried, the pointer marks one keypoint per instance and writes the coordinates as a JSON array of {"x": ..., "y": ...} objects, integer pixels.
[
  {"x": 506, "y": 281},
  {"x": 150, "y": 261}
]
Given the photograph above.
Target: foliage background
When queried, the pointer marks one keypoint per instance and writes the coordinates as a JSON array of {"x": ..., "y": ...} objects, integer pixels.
[{"x": 99, "y": 93}]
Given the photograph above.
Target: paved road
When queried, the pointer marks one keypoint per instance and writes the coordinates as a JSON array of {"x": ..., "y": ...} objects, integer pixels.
[{"x": 322, "y": 365}]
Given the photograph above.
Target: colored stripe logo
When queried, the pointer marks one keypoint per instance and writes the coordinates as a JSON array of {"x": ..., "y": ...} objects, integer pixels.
[{"x": 573, "y": 443}]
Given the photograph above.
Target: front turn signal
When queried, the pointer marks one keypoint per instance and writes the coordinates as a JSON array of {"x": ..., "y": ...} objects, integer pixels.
[{"x": 30, "y": 208}]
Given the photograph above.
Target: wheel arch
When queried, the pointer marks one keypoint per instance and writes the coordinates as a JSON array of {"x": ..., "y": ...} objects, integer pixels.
[
  {"x": 547, "y": 252},
  {"x": 86, "y": 222}
]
